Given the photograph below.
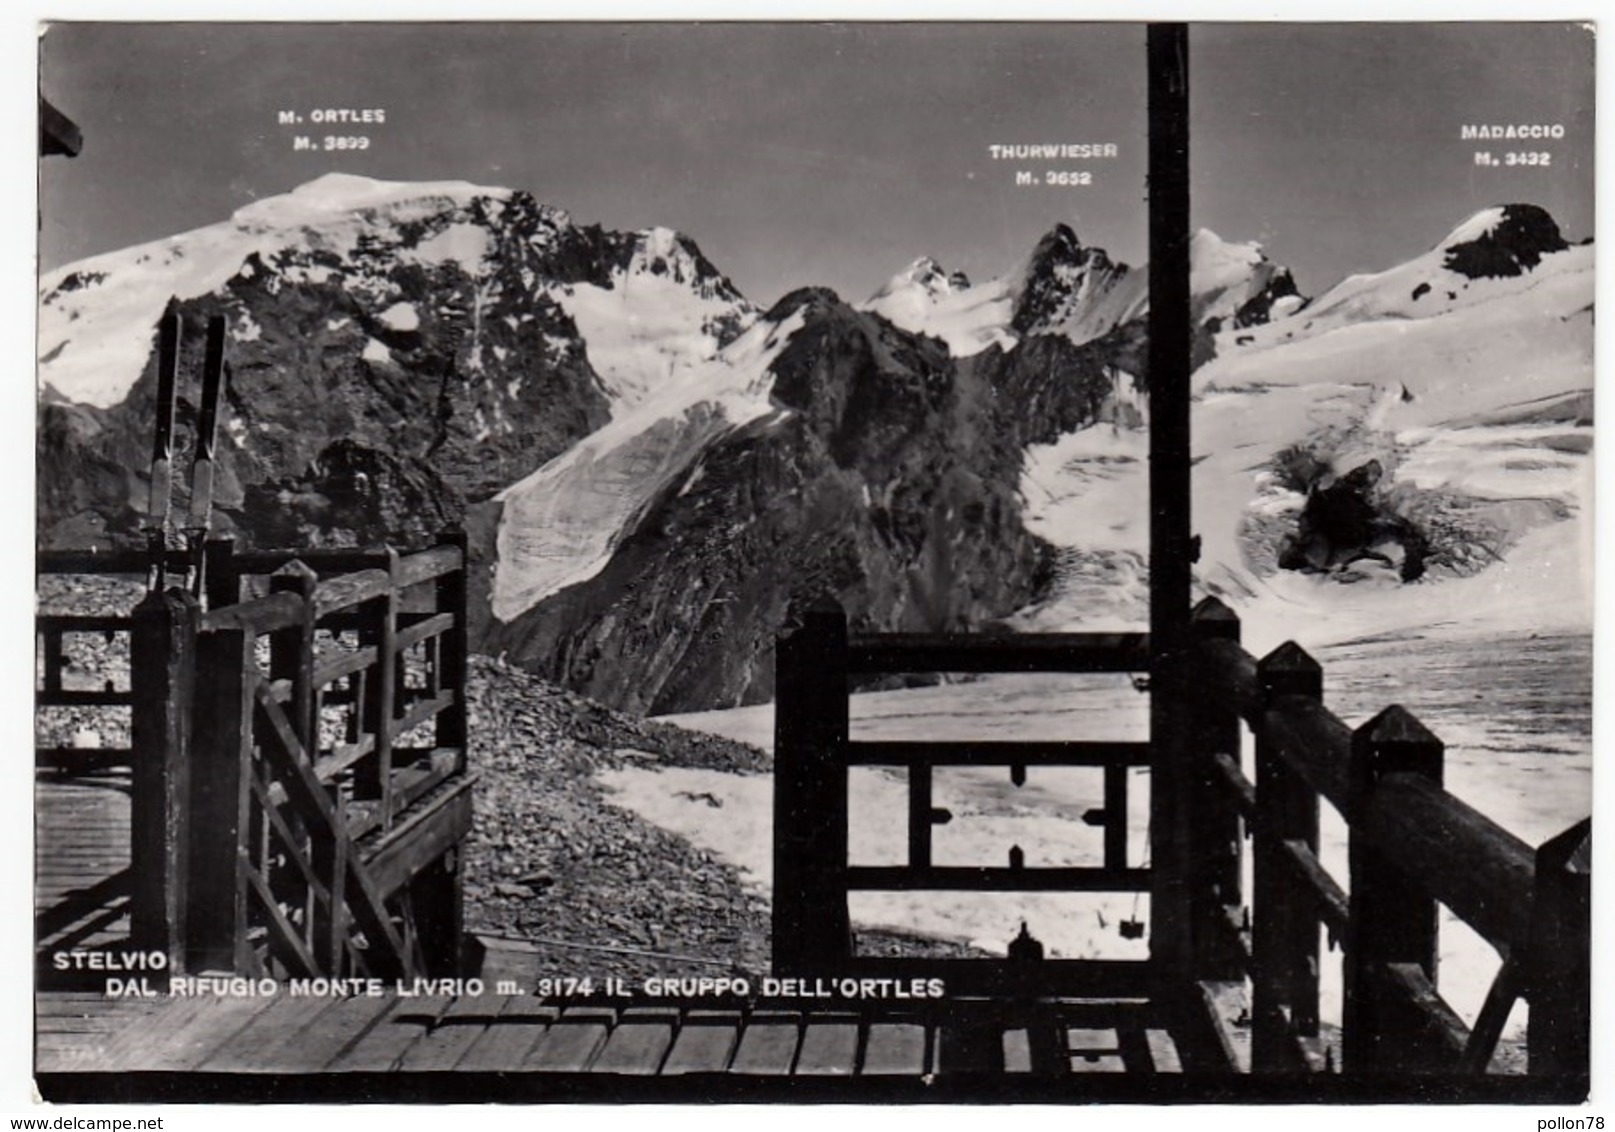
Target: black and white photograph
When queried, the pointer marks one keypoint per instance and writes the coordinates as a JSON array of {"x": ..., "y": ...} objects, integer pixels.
[{"x": 906, "y": 562}]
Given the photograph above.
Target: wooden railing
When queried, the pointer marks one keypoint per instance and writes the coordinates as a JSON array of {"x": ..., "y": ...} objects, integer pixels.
[
  {"x": 813, "y": 751},
  {"x": 56, "y": 636},
  {"x": 298, "y": 760},
  {"x": 1413, "y": 846}
]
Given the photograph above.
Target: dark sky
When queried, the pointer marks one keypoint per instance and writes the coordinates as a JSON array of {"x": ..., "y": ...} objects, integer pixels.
[{"x": 829, "y": 154}]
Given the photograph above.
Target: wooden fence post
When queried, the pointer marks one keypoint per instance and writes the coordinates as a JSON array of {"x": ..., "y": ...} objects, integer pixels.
[
  {"x": 452, "y": 726},
  {"x": 227, "y": 670},
  {"x": 291, "y": 652},
  {"x": 1284, "y": 930},
  {"x": 811, "y": 931},
  {"x": 291, "y": 657},
  {"x": 163, "y": 680},
  {"x": 221, "y": 582},
  {"x": 379, "y": 712},
  {"x": 1392, "y": 919},
  {"x": 1216, "y": 850},
  {"x": 1560, "y": 957}
]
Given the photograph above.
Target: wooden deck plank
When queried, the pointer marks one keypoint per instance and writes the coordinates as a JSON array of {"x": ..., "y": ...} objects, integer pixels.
[
  {"x": 639, "y": 1043},
  {"x": 829, "y": 1048},
  {"x": 705, "y": 1044},
  {"x": 1084, "y": 1040},
  {"x": 85, "y": 1031},
  {"x": 85, "y": 1004},
  {"x": 767, "y": 1044},
  {"x": 99, "y": 1026},
  {"x": 1163, "y": 1052},
  {"x": 452, "y": 1035},
  {"x": 132, "y": 1046},
  {"x": 505, "y": 1043},
  {"x": 894, "y": 1048},
  {"x": 247, "y": 1050},
  {"x": 1017, "y": 1051},
  {"x": 81, "y": 844},
  {"x": 326, "y": 1034},
  {"x": 972, "y": 1048},
  {"x": 219, "y": 1020},
  {"x": 384, "y": 1046},
  {"x": 573, "y": 1041},
  {"x": 443, "y": 1046}
]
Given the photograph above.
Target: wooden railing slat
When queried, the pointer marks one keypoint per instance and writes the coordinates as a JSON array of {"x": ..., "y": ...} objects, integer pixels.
[
  {"x": 1334, "y": 907},
  {"x": 1437, "y": 1022},
  {"x": 433, "y": 626},
  {"x": 958, "y": 652},
  {"x": 1474, "y": 866},
  {"x": 337, "y": 666},
  {"x": 293, "y": 951},
  {"x": 966, "y": 752},
  {"x": 985, "y": 878},
  {"x": 425, "y": 565},
  {"x": 308, "y": 794},
  {"x": 1231, "y": 777},
  {"x": 261, "y": 615},
  {"x": 347, "y": 590}
]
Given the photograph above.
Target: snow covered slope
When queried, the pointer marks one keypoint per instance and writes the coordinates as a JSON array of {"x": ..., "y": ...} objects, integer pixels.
[
  {"x": 1477, "y": 407},
  {"x": 664, "y": 308},
  {"x": 927, "y": 300},
  {"x": 560, "y": 524}
]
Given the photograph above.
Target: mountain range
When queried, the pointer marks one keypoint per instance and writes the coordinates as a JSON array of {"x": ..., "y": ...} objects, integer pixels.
[{"x": 654, "y": 471}]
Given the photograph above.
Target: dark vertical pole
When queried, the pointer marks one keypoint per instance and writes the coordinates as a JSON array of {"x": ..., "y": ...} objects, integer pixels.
[
  {"x": 1115, "y": 816},
  {"x": 1169, "y": 496},
  {"x": 1216, "y": 884},
  {"x": 163, "y": 677},
  {"x": 811, "y": 932},
  {"x": 1284, "y": 929},
  {"x": 452, "y": 648},
  {"x": 919, "y": 816},
  {"x": 1560, "y": 963},
  {"x": 436, "y": 896},
  {"x": 162, "y": 452},
  {"x": 380, "y": 705},
  {"x": 221, "y": 583},
  {"x": 207, "y": 431},
  {"x": 216, "y": 932},
  {"x": 1392, "y": 919}
]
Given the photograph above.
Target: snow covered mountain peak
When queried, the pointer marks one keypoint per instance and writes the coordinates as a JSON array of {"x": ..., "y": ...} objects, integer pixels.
[
  {"x": 1213, "y": 257},
  {"x": 927, "y": 299},
  {"x": 1076, "y": 291},
  {"x": 644, "y": 302},
  {"x": 1507, "y": 240},
  {"x": 336, "y": 194},
  {"x": 673, "y": 256},
  {"x": 1494, "y": 255},
  {"x": 925, "y": 276},
  {"x": 1236, "y": 285}
]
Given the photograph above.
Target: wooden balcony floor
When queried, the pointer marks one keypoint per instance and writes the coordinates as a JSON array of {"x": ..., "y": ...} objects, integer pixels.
[
  {"x": 81, "y": 862},
  {"x": 79, "y": 1032}
]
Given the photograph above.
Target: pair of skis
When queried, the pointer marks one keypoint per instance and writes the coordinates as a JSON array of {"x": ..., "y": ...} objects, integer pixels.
[{"x": 199, "y": 519}]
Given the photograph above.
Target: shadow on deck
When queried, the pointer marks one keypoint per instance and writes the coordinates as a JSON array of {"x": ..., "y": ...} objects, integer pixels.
[{"x": 81, "y": 871}]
